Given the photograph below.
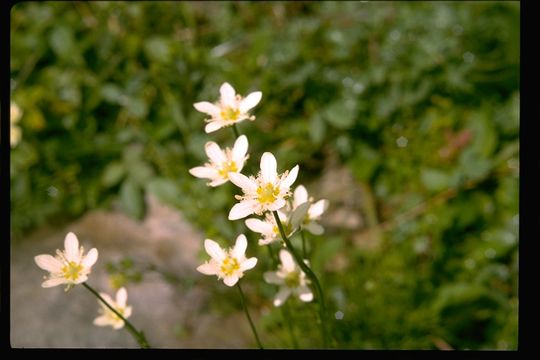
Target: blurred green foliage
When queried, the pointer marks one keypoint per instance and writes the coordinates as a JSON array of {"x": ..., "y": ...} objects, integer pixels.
[{"x": 415, "y": 99}]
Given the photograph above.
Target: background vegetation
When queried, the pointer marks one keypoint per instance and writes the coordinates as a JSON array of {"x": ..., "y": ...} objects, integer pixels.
[{"x": 418, "y": 101}]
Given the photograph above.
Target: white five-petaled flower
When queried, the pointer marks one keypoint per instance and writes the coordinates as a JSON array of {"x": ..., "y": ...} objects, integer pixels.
[
  {"x": 268, "y": 227},
  {"x": 266, "y": 192},
  {"x": 230, "y": 109},
  {"x": 70, "y": 266},
  {"x": 307, "y": 217},
  {"x": 222, "y": 162},
  {"x": 229, "y": 264},
  {"x": 109, "y": 318},
  {"x": 290, "y": 278}
]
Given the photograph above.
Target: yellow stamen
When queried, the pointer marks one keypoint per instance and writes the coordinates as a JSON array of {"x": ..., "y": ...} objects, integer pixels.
[
  {"x": 229, "y": 266},
  {"x": 226, "y": 167},
  {"x": 72, "y": 271},
  {"x": 230, "y": 114},
  {"x": 292, "y": 280},
  {"x": 267, "y": 194}
]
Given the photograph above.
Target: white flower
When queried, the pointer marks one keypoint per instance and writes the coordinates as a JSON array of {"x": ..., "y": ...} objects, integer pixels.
[
  {"x": 230, "y": 109},
  {"x": 266, "y": 192},
  {"x": 307, "y": 216},
  {"x": 268, "y": 227},
  {"x": 70, "y": 266},
  {"x": 290, "y": 278},
  {"x": 15, "y": 132},
  {"x": 222, "y": 162},
  {"x": 230, "y": 264},
  {"x": 109, "y": 318}
]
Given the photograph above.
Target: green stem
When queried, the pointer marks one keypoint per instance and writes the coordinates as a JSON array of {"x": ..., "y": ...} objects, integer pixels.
[
  {"x": 304, "y": 253},
  {"x": 138, "y": 335},
  {"x": 247, "y": 314},
  {"x": 310, "y": 274},
  {"x": 235, "y": 130}
]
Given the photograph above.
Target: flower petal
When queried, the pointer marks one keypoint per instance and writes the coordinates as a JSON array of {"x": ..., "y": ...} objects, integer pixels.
[
  {"x": 240, "y": 149},
  {"x": 314, "y": 228},
  {"x": 240, "y": 247},
  {"x": 71, "y": 244},
  {"x": 213, "y": 126},
  {"x": 90, "y": 259},
  {"x": 49, "y": 263},
  {"x": 242, "y": 209},
  {"x": 207, "y": 108},
  {"x": 214, "y": 152},
  {"x": 103, "y": 320},
  {"x": 121, "y": 297},
  {"x": 289, "y": 180},
  {"x": 277, "y": 204},
  {"x": 227, "y": 93},
  {"x": 242, "y": 181},
  {"x": 268, "y": 167},
  {"x": 304, "y": 293},
  {"x": 300, "y": 196},
  {"x": 287, "y": 260},
  {"x": 214, "y": 250},
  {"x": 272, "y": 278},
  {"x": 299, "y": 214},
  {"x": 230, "y": 280},
  {"x": 204, "y": 172},
  {"x": 250, "y": 101},
  {"x": 53, "y": 282},
  {"x": 208, "y": 268},
  {"x": 318, "y": 208},
  {"x": 281, "y": 296},
  {"x": 262, "y": 227},
  {"x": 248, "y": 264},
  {"x": 218, "y": 182}
]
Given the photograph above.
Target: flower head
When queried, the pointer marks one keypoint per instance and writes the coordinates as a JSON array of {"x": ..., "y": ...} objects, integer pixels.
[
  {"x": 222, "y": 162},
  {"x": 15, "y": 134},
  {"x": 230, "y": 109},
  {"x": 290, "y": 278},
  {"x": 229, "y": 264},
  {"x": 307, "y": 212},
  {"x": 109, "y": 318},
  {"x": 266, "y": 192},
  {"x": 70, "y": 266}
]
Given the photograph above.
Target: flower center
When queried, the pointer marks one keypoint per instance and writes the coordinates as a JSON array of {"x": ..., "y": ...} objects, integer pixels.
[
  {"x": 229, "y": 113},
  {"x": 292, "y": 280},
  {"x": 226, "y": 167},
  {"x": 229, "y": 266},
  {"x": 267, "y": 193},
  {"x": 72, "y": 271}
]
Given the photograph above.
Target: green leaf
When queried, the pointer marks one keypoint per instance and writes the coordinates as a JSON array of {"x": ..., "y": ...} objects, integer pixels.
[
  {"x": 61, "y": 41},
  {"x": 132, "y": 199},
  {"x": 113, "y": 173},
  {"x": 340, "y": 114},
  {"x": 434, "y": 179},
  {"x": 165, "y": 190}
]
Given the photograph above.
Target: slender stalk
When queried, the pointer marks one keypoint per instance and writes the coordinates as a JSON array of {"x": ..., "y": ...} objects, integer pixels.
[
  {"x": 235, "y": 130},
  {"x": 306, "y": 269},
  {"x": 304, "y": 252},
  {"x": 249, "y": 317},
  {"x": 138, "y": 335}
]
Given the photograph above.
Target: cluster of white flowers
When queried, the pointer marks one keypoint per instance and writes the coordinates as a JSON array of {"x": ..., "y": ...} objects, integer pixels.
[
  {"x": 71, "y": 267},
  {"x": 263, "y": 194}
]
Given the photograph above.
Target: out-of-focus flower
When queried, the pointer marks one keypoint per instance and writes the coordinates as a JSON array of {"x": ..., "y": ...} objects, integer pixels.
[
  {"x": 266, "y": 192},
  {"x": 229, "y": 264},
  {"x": 290, "y": 278},
  {"x": 107, "y": 316},
  {"x": 268, "y": 227},
  {"x": 307, "y": 219},
  {"x": 15, "y": 132},
  {"x": 70, "y": 266},
  {"x": 230, "y": 109},
  {"x": 222, "y": 162}
]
